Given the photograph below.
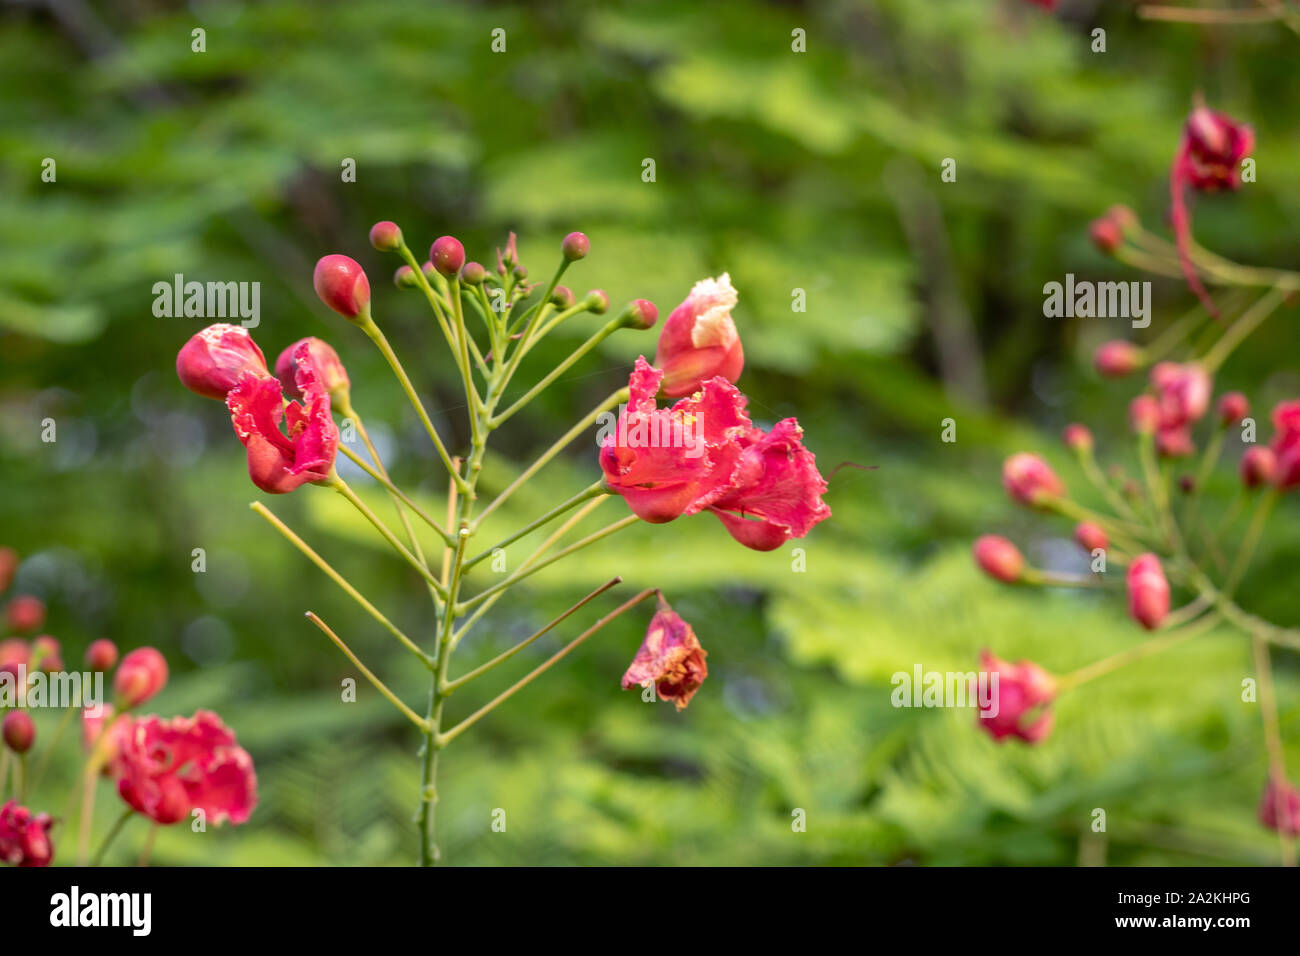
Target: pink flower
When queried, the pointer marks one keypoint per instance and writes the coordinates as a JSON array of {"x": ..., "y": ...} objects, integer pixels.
[
  {"x": 1019, "y": 708},
  {"x": 998, "y": 558},
  {"x": 670, "y": 657},
  {"x": 1279, "y": 807},
  {"x": 25, "y": 614},
  {"x": 1090, "y": 536},
  {"x": 341, "y": 283},
  {"x": 321, "y": 357},
  {"x": 24, "y": 838},
  {"x": 166, "y": 769},
  {"x": 142, "y": 674},
  {"x": 1208, "y": 159},
  {"x": 699, "y": 339},
  {"x": 1182, "y": 392},
  {"x": 1148, "y": 591},
  {"x": 1117, "y": 358},
  {"x": 278, "y": 463},
  {"x": 1175, "y": 442},
  {"x": 1258, "y": 466},
  {"x": 214, "y": 359},
  {"x": 1286, "y": 443},
  {"x": 1028, "y": 479},
  {"x": 651, "y": 460}
]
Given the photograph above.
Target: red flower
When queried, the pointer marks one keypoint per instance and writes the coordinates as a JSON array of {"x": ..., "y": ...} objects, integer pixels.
[
  {"x": 998, "y": 558},
  {"x": 1182, "y": 391},
  {"x": 1148, "y": 591},
  {"x": 25, "y": 614},
  {"x": 776, "y": 482},
  {"x": 24, "y": 838},
  {"x": 1028, "y": 479},
  {"x": 671, "y": 657},
  {"x": 142, "y": 675},
  {"x": 1022, "y": 695},
  {"x": 1208, "y": 159},
  {"x": 326, "y": 362},
  {"x": 1286, "y": 443},
  {"x": 278, "y": 464},
  {"x": 699, "y": 340},
  {"x": 667, "y": 462},
  {"x": 1279, "y": 808},
  {"x": 214, "y": 359},
  {"x": 166, "y": 769}
]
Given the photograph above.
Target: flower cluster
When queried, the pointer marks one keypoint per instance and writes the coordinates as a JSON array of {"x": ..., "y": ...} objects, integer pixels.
[{"x": 162, "y": 769}]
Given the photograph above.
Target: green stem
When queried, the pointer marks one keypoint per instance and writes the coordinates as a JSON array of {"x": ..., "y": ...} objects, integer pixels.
[
  {"x": 379, "y": 685},
  {"x": 396, "y": 492},
  {"x": 1247, "y": 323},
  {"x": 1272, "y": 733},
  {"x": 1251, "y": 541},
  {"x": 605, "y": 332},
  {"x": 112, "y": 834},
  {"x": 342, "y": 582},
  {"x": 1155, "y": 645},
  {"x": 343, "y": 488},
  {"x": 50, "y": 747},
  {"x": 591, "y": 491}
]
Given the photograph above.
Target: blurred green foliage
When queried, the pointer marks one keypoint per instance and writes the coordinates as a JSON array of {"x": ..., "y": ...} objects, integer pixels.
[{"x": 817, "y": 171}]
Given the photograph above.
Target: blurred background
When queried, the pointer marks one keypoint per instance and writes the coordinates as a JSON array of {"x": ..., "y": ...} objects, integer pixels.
[{"x": 816, "y": 171}]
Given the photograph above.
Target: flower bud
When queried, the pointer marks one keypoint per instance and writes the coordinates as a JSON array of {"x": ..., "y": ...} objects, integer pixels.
[
  {"x": 404, "y": 278},
  {"x": 1028, "y": 479},
  {"x": 575, "y": 246},
  {"x": 699, "y": 340},
  {"x": 447, "y": 255},
  {"x": 1117, "y": 358},
  {"x": 520, "y": 272},
  {"x": 597, "y": 301},
  {"x": 385, "y": 236},
  {"x": 212, "y": 361},
  {"x": 998, "y": 558},
  {"x": 1232, "y": 408},
  {"x": 1106, "y": 234},
  {"x": 1021, "y": 700},
  {"x": 101, "y": 655},
  {"x": 1258, "y": 466},
  {"x": 25, "y": 614},
  {"x": 341, "y": 283},
  {"x": 47, "y": 655},
  {"x": 1090, "y": 536},
  {"x": 429, "y": 271},
  {"x": 670, "y": 657},
  {"x": 639, "y": 314},
  {"x": 14, "y": 653},
  {"x": 1144, "y": 415},
  {"x": 1175, "y": 442},
  {"x": 473, "y": 273},
  {"x": 141, "y": 675},
  {"x": 8, "y": 565},
  {"x": 1148, "y": 591},
  {"x": 1279, "y": 807},
  {"x": 19, "y": 731},
  {"x": 1186, "y": 484},
  {"x": 1077, "y": 438},
  {"x": 329, "y": 368},
  {"x": 92, "y": 727},
  {"x": 562, "y": 297},
  {"x": 1286, "y": 444}
]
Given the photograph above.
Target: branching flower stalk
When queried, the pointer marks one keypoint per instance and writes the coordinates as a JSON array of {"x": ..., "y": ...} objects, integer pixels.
[{"x": 701, "y": 454}]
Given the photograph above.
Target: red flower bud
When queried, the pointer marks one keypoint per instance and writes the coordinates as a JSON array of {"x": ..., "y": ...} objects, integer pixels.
[
  {"x": 1077, "y": 438},
  {"x": 1286, "y": 444},
  {"x": 562, "y": 297},
  {"x": 101, "y": 655},
  {"x": 47, "y": 655},
  {"x": 1020, "y": 700},
  {"x": 13, "y": 653},
  {"x": 141, "y": 675},
  {"x": 575, "y": 246},
  {"x": 1279, "y": 807},
  {"x": 341, "y": 283},
  {"x": 473, "y": 273},
  {"x": 670, "y": 657},
  {"x": 597, "y": 301},
  {"x": 998, "y": 558},
  {"x": 1258, "y": 466},
  {"x": 8, "y": 565},
  {"x": 699, "y": 339},
  {"x": 447, "y": 255},
  {"x": 1148, "y": 591},
  {"x": 1028, "y": 479},
  {"x": 639, "y": 314},
  {"x": 213, "y": 360},
  {"x": 326, "y": 362},
  {"x": 404, "y": 278},
  {"x": 1183, "y": 392},
  {"x": 1106, "y": 234},
  {"x": 1232, "y": 408},
  {"x": 385, "y": 236},
  {"x": 25, "y": 614},
  {"x": 24, "y": 838},
  {"x": 1090, "y": 536},
  {"x": 19, "y": 731},
  {"x": 1117, "y": 358},
  {"x": 1144, "y": 415}
]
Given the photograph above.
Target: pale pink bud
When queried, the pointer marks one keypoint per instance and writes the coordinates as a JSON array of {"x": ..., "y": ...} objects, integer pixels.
[
  {"x": 324, "y": 361},
  {"x": 213, "y": 360},
  {"x": 1232, "y": 408},
  {"x": 1148, "y": 591},
  {"x": 141, "y": 675},
  {"x": 1028, "y": 479},
  {"x": 575, "y": 246},
  {"x": 1117, "y": 358},
  {"x": 1077, "y": 438},
  {"x": 386, "y": 236},
  {"x": 1090, "y": 536},
  {"x": 998, "y": 558},
  {"x": 101, "y": 655},
  {"x": 1258, "y": 466},
  {"x": 1144, "y": 415}
]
